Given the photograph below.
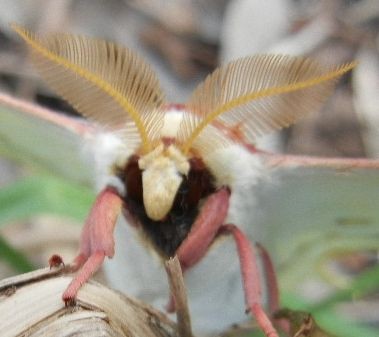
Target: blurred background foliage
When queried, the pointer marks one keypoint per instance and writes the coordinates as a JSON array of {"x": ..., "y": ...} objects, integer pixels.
[{"x": 184, "y": 40}]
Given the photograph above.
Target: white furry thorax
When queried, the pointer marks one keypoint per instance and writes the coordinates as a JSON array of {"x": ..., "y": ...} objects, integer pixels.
[{"x": 108, "y": 150}]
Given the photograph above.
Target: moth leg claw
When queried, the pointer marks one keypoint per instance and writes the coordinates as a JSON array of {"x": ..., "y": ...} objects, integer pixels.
[
  {"x": 69, "y": 302},
  {"x": 56, "y": 261}
]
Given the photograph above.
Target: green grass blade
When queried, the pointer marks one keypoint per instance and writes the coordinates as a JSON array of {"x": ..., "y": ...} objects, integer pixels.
[
  {"x": 17, "y": 260},
  {"x": 324, "y": 313},
  {"x": 44, "y": 195},
  {"x": 35, "y": 196}
]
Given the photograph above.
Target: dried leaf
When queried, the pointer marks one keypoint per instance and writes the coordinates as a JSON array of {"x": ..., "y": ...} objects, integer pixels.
[{"x": 31, "y": 303}]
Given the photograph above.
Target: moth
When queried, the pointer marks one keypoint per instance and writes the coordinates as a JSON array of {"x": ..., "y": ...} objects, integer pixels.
[{"x": 185, "y": 176}]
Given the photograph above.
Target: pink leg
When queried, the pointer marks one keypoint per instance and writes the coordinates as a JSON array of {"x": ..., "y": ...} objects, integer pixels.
[
  {"x": 92, "y": 264},
  {"x": 96, "y": 240},
  {"x": 250, "y": 277},
  {"x": 204, "y": 229},
  {"x": 271, "y": 279},
  {"x": 207, "y": 225}
]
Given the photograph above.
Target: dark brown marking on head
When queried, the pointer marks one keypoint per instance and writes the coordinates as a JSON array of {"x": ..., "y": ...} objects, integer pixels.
[{"x": 166, "y": 235}]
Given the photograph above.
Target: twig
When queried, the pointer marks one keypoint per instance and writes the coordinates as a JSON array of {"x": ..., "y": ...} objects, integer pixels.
[{"x": 178, "y": 292}]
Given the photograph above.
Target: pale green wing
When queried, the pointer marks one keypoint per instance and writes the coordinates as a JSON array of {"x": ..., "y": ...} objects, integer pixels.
[
  {"x": 314, "y": 209},
  {"x": 45, "y": 139}
]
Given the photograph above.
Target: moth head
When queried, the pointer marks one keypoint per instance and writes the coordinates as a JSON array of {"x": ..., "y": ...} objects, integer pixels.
[{"x": 163, "y": 170}]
